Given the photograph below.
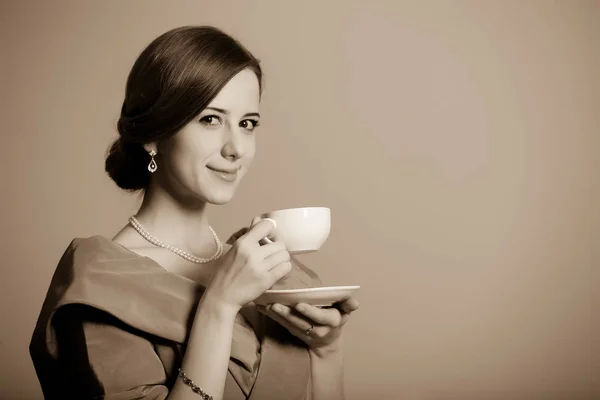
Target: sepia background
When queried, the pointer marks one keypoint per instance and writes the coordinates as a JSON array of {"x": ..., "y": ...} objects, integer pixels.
[{"x": 456, "y": 142}]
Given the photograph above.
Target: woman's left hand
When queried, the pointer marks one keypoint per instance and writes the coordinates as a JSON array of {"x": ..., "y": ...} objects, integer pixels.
[{"x": 319, "y": 328}]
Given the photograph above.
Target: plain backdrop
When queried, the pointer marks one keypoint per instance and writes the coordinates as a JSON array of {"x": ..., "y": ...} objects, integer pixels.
[{"x": 456, "y": 142}]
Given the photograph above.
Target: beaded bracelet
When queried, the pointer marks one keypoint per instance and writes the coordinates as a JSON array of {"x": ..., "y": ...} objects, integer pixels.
[{"x": 196, "y": 389}]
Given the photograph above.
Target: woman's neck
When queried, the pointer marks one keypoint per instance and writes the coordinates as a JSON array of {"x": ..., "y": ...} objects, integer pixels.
[{"x": 183, "y": 226}]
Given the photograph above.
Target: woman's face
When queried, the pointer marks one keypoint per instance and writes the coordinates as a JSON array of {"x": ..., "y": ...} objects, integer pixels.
[{"x": 208, "y": 158}]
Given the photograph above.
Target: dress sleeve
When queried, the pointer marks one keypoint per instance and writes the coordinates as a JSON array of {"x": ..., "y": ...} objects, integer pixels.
[{"x": 100, "y": 357}]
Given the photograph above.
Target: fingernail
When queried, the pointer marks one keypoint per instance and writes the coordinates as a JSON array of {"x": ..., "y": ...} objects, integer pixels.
[
  {"x": 300, "y": 307},
  {"x": 276, "y": 308}
]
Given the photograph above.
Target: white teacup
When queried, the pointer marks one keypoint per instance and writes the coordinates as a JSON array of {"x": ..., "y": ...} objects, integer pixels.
[{"x": 303, "y": 230}]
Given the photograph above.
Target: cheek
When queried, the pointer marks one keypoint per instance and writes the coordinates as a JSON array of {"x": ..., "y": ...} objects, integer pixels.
[
  {"x": 195, "y": 152},
  {"x": 186, "y": 163},
  {"x": 250, "y": 153}
]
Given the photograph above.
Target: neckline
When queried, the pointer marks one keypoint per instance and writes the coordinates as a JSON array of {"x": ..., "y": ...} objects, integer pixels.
[{"x": 150, "y": 260}]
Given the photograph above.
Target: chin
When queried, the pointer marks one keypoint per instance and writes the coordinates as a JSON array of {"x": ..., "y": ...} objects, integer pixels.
[
  {"x": 218, "y": 201},
  {"x": 218, "y": 197},
  {"x": 217, "y": 192}
]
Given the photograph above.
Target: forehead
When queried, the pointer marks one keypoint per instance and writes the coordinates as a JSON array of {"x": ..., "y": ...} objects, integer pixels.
[{"x": 241, "y": 93}]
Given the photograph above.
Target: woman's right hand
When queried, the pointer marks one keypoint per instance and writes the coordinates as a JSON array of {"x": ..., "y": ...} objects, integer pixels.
[{"x": 249, "y": 268}]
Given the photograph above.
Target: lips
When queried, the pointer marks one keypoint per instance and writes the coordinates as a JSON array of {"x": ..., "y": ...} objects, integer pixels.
[
  {"x": 225, "y": 174},
  {"x": 223, "y": 170}
]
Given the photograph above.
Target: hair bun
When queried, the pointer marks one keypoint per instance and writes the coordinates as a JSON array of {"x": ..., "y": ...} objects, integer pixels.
[{"x": 126, "y": 164}]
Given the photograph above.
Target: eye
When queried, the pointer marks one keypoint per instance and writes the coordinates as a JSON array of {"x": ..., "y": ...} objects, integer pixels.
[
  {"x": 210, "y": 120},
  {"x": 250, "y": 124}
]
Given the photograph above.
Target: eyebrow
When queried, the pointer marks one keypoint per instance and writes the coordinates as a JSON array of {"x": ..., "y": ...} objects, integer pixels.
[{"x": 223, "y": 111}]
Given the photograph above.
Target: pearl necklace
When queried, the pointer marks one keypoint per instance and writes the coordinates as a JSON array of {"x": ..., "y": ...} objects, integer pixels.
[{"x": 189, "y": 257}]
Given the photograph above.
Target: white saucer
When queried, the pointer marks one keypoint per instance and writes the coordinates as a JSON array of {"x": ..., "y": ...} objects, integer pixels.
[{"x": 319, "y": 296}]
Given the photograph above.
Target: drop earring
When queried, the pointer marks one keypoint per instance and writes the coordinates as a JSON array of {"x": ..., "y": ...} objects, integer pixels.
[{"x": 152, "y": 166}]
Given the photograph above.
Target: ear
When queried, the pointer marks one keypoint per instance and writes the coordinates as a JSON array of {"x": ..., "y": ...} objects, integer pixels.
[{"x": 150, "y": 146}]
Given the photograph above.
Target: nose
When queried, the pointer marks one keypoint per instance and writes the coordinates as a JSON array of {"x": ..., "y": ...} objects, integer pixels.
[{"x": 234, "y": 145}]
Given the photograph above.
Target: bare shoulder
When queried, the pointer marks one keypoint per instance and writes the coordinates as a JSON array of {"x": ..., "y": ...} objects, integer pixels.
[{"x": 130, "y": 239}]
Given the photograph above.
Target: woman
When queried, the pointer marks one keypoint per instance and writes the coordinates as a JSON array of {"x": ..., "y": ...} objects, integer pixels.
[{"x": 164, "y": 310}]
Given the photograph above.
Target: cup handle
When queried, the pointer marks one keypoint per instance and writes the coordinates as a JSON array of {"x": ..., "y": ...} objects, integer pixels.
[{"x": 266, "y": 238}]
